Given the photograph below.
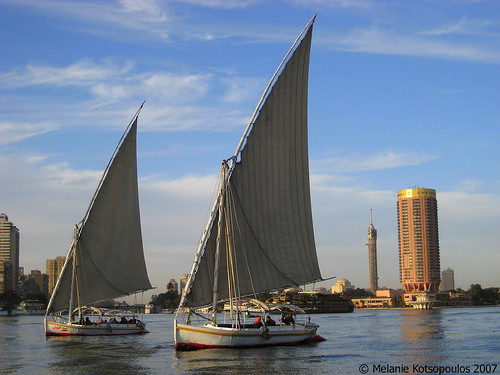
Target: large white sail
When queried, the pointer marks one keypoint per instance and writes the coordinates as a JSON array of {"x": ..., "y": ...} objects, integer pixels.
[
  {"x": 267, "y": 202},
  {"x": 108, "y": 246}
]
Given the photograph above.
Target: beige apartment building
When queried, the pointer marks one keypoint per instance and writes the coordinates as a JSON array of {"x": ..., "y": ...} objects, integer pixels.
[
  {"x": 54, "y": 268},
  {"x": 418, "y": 240}
]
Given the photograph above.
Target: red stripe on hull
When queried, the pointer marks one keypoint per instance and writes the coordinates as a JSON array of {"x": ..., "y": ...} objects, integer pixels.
[
  {"x": 99, "y": 334},
  {"x": 194, "y": 346}
]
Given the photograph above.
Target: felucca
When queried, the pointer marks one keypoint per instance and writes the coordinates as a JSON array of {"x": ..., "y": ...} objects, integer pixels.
[
  {"x": 106, "y": 257},
  {"x": 259, "y": 237}
]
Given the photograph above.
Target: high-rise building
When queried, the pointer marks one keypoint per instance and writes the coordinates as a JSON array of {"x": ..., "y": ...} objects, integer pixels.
[
  {"x": 418, "y": 240},
  {"x": 372, "y": 255},
  {"x": 172, "y": 286},
  {"x": 54, "y": 268},
  {"x": 447, "y": 280},
  {"x": 183, "y": 281},
  {"x": 9, "y": 255}
]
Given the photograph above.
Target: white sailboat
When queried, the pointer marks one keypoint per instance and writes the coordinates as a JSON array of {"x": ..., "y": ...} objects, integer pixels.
[
  {"x": 106, "y": 257},
  {"x": 259, "y": 237}
]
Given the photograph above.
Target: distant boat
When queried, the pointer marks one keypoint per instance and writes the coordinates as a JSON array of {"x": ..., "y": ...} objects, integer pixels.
[
  {"x": 106, "y": 258},
  {"x": 30, "y": 308},
  {"x": 259, "y": 237}
]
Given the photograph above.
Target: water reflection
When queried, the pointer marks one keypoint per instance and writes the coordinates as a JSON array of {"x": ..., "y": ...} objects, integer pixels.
[
  {"x": 422, "y": 336},
  {"x": 103, "y": 355},
  {"x": 275, "y": 360}
]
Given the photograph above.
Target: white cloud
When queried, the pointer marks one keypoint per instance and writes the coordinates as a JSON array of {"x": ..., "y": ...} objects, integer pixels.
[
  {"x": 224, "y": 4},
  {"x": 97, "y": 16},
  {"x": 374, "y": 40},
  {"x": 170, "y": 87},
  {"x": 383, "y": 160},
  {"x": 239, "y": 89},
  {"x": 465, "y": 27},
  {"x": 188, "y": 187},
  {"x": 83, "y": 73},
  {"x": 15, "y": 132}
]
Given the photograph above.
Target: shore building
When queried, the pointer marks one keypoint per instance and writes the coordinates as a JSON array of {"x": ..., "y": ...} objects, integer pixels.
[
  {"x": 447, "y": 280},
  {"x": 172, "y": 286},
  {"x": 54, "y": 268},
  {"x": 418, "y": 240},
  {"x": 341, "y": 286},
  {"x": 9, "y": 255}
]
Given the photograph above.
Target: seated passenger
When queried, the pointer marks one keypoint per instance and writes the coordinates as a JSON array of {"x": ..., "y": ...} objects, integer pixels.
[
  {"x": 288, "y": 319},
  {"x": 257, "y": 323},
  {"x": 269, "y": 321},
  {"x": 123, "y": 320}
]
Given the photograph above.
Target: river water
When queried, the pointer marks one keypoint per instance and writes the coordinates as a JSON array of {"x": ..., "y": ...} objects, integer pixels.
[{"x": 448, "y": 340}]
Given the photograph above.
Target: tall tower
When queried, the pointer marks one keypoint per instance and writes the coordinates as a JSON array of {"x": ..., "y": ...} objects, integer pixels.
[
  {"x": 372, "y": 255},
  {"x": 418, "y": 240},
  {"x": 9, "y": 255}
]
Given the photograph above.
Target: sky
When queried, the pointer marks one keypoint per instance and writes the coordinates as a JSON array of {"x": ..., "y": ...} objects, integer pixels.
[{"x": 401, "y": 94}]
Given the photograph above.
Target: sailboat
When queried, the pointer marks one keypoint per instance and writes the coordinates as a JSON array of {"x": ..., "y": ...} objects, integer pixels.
[
  {"x": 259, "y": 236},
  {"x": 106, "y": 257}
]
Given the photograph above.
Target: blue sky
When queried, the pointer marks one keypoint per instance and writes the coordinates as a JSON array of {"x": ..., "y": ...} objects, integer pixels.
[{"x": 402, "y": 94}]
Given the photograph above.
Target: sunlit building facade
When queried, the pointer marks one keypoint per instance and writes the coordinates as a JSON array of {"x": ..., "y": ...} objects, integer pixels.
[
  {"x": 9, "y": 255},
  {"x": 54, "y": 268},
  {"x": 418, "y": 240}
]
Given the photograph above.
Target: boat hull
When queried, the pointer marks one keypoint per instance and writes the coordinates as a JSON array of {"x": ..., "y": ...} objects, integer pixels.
[
  {"x": 202, "y": 337},
  {"x": 64, "y": 329}
]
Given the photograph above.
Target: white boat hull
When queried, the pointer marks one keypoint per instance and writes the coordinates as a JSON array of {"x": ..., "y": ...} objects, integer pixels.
[
  {"x": 65, "y": 329},
  {"x": 208, "y": 336}
]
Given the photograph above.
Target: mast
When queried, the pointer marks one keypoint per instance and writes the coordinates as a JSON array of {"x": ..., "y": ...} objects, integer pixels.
[
  {"x": 65, "y": 266},
  {"x": 220, "y": 235},
  {"x": 73, "y": 278}
]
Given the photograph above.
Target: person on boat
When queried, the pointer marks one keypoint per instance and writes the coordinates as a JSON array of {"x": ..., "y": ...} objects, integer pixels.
[
  {"x": 257, "y": 323},
  {"x": 269, "y": 321},
  {"x": 88, "y": 322},
  {"x": 288, "y": 319},
  {"x": 113, "y": 321},
  {"x": 132, "y": 320},
  {"x": 123, "y": 320}
]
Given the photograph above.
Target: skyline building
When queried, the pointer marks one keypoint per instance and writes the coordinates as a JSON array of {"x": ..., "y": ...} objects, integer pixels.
[
  {"x": 9, "y": 255},
  {"x": 172, "y": 286},
  {"x": 54, "y": 268},
  {"x": 418, "y": 240},
  {"x": 183, "y": 281},
  {"x": 447, "y": 280},
  {"x": 372, "y": 255},
  {"x": 341, "y": 286}
]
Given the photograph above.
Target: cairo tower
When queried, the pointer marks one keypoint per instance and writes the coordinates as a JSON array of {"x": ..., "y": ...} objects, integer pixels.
[{"x": 418, "y": 240}]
